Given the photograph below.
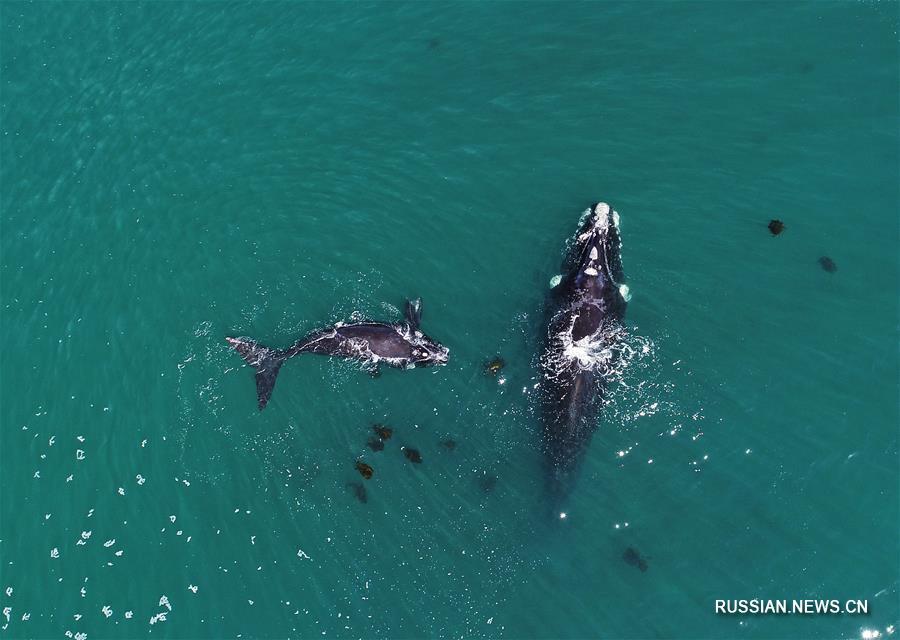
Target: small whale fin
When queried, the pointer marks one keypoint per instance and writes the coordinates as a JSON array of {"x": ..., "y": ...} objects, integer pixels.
[
  {"x": 413, "y": 312},
  {"x": 266, "y": 361}
]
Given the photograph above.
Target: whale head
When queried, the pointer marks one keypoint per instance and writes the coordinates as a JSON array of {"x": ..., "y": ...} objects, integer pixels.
[
  {"x": 427, "y": 352},
  {"x": 596, "y": 253},
  {"x": 593, "y": 272}
]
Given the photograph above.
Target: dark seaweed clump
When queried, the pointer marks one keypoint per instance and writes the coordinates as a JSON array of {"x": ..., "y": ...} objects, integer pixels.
[
  {"x": 359, "y": 491},
  {"x": 412, "y": 455},
  {"x": 364, "y": 470},
  {"x": 382, "y": 431},
  {"x": 827, "y": 264},
  {"x": 493, "y": 367},
  {"x": 487, "y": 482},
  {"x": 634, "y": 558}
]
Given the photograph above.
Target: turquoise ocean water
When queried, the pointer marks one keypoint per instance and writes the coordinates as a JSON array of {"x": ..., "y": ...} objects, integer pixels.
[{"x": 174, "y": 173}]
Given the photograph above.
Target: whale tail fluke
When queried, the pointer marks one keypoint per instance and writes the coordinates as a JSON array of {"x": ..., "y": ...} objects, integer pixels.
[{"x": 266, "y": 361}]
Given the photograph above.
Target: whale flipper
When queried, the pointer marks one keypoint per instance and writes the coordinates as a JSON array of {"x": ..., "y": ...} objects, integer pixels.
[
  {"x": 413, "y": 312},
  {"x": 266, "y": 361}
]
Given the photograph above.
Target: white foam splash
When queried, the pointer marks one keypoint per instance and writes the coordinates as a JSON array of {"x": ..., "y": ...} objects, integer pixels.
[
  {"x": 589, "y": 352},
  {"x": 609, "y": 353}
]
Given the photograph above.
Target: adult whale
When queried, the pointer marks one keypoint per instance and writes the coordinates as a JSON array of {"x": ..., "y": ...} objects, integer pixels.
[
  {"x": 587, "y": 305},
  {"x": 397, "y": 344}
]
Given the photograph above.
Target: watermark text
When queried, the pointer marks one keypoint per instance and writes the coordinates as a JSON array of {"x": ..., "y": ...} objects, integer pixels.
[{"x": 808, "y": 607}]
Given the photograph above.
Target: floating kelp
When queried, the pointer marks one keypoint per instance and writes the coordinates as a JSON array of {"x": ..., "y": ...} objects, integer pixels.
[
  {"x": 493, "y": 367},
  {"x": 487, "y": 482},
  {"x": 412, "y": 455},
  {"x": 364, "y": 470},
  {"x": 359, "y": 491},
  {"x": 634, "y": 558},
  {"x": 382, "y": 431},
  {"x": 827, "y": 264}
]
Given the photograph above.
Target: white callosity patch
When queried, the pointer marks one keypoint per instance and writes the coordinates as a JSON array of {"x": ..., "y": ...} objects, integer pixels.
[
  {"x": 600, "y": 220},
  {"x": 417, "y": 341},
  {"x": 596, "y": 236}
]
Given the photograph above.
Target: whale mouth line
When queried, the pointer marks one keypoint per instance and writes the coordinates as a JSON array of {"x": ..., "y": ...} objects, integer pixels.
[
  {"x": 596, "y": 261},
  {"x": 598, "y": 244}
]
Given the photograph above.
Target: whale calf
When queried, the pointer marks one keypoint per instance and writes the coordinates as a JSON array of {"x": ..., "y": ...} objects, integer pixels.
[
  {"x": 587, "y": 305},
  {"x": 399, "y": 344}
]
